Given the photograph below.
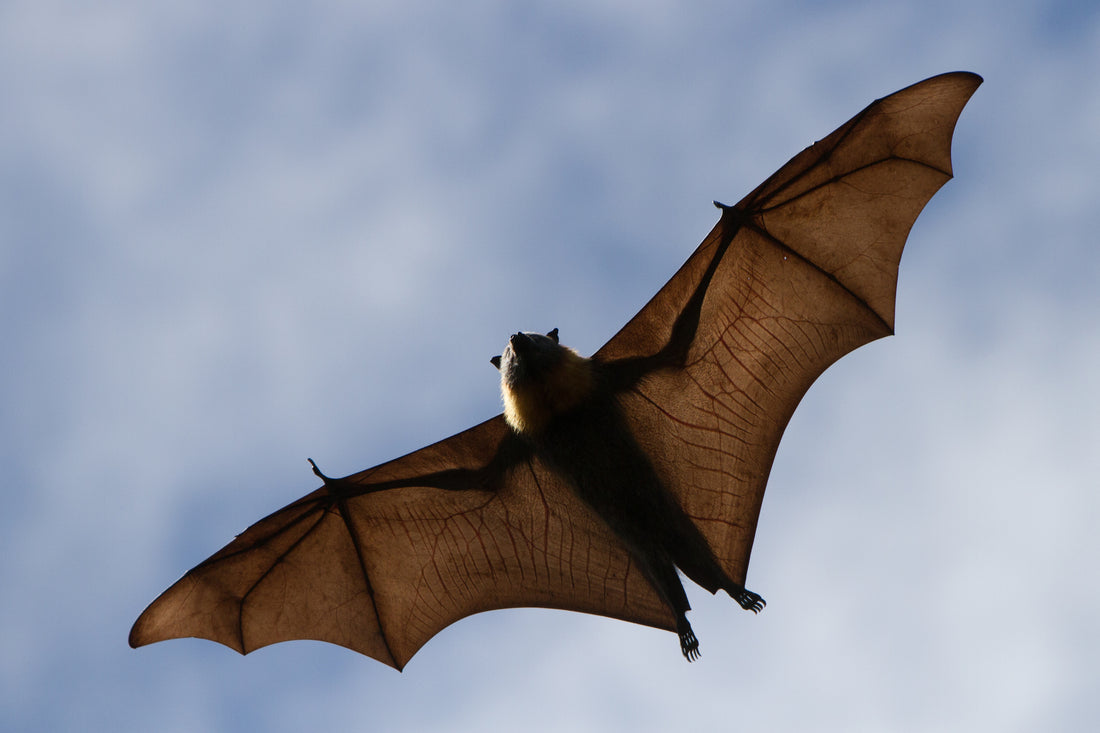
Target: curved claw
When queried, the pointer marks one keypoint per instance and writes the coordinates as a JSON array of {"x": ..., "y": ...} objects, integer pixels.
[
  {"x": 749, "y": 601},
  {"x": 689, "y": 645},
  {"x": 317, "y": 471}
]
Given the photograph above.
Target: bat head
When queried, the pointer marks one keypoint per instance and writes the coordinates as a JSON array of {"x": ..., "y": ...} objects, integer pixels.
[
  {"x": 540, "y": 379},
  {"x": 528, "y": 357}
]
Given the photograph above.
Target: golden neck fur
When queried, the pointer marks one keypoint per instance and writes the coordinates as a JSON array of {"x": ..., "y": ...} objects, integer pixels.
[{"x": 529, "y": 407}]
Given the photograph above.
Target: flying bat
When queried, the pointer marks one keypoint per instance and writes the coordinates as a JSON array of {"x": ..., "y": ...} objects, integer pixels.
[{"x": 605, "y": 475}]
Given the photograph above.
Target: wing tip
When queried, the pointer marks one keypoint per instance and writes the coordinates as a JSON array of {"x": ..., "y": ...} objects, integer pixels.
[
  {"x": 962, "y": 79},
  {"x": 167, "y": 617}
]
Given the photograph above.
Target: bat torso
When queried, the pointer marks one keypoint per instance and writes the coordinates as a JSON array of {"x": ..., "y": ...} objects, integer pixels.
[
  {"x": 592, "y": 447},
  {"x": 564, "y": 406}
]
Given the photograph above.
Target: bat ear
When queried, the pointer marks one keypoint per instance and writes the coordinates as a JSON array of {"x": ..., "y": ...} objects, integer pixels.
[
  {"x": 553, "y": 335},
  {"x": 495, "y": 361}
]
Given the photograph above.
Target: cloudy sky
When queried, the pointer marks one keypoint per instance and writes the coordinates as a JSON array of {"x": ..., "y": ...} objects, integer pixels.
[{"x": 234, "y": 236}]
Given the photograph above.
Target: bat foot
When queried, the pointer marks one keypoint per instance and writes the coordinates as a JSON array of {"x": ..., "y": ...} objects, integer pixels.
[
  {"x": 689, "y": 645},
  {"x": 748, "y": 600}
]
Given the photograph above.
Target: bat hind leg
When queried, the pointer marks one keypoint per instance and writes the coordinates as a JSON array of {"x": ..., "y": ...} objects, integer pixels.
[
  {"x": 689, "y": 645},
  {"x": 663, "y": 574},
  {"x": 699, "y": 564}
]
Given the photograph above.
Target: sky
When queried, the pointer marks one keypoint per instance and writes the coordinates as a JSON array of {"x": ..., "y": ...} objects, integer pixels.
[{"x": 234, "y": 236}]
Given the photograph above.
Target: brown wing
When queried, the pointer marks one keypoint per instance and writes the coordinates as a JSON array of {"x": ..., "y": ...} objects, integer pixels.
[
  {"x": 800, "y": 272},
  {"x": 382, "y": 560}
]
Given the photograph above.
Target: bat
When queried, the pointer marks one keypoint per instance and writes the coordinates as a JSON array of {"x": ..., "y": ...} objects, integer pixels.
[{"x": 605, "y": 476}]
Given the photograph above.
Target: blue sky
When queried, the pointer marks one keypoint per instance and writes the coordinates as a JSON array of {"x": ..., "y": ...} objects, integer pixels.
[{"x": 234, "y": 237}]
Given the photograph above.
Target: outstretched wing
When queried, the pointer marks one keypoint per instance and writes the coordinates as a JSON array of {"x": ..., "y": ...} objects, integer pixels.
[
  {"x": 800, "y": 272},
  {"x": 382, "y": 560},
  {"x": 797, "y": 274}
]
